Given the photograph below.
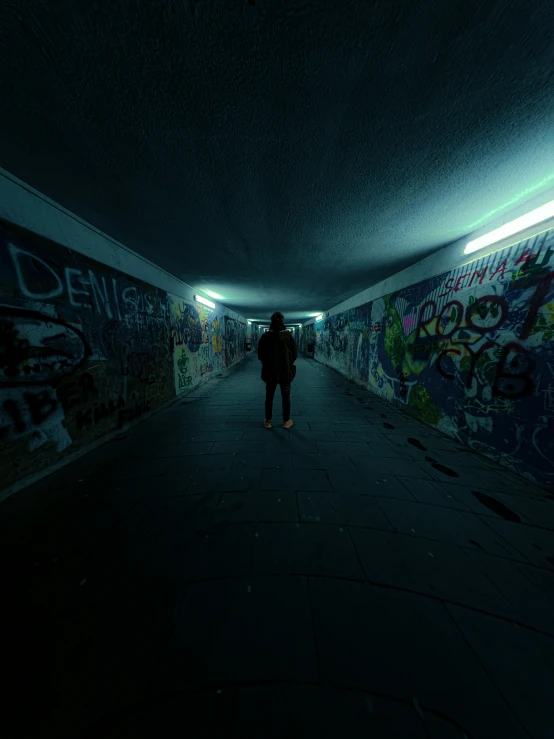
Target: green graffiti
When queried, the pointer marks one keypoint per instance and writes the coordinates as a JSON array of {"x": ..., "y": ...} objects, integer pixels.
[
  {"x": 183, "y": 379},
  {"x": 483, "y": 310},
  {"x": 419, "y": 349},
  {"x": 423, "y": 406},
  {"x": 393, "y": 334}
]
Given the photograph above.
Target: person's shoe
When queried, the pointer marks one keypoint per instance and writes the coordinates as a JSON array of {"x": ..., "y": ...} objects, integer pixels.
[
  {"x": 267, "y": 424},
  {"x": 288, "y": 424}
]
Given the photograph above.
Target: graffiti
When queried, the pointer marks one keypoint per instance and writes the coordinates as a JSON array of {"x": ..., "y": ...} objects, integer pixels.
[
  {"x": 196, "y": 330},
  {"x": 307, "y": 337},
  {"x": 456, "y": 332},
  {"x": 39, "y": 280},
  {"x": 140, "y": 303},
  {"x": 78, "y": 397},
  {"x": 39, "y": 405},
  {"x": 36, "y": 349},
  {"x": 403, "y": 381},
  {"x": 138, "y": 352},
  {"x": 78, "y": 390},
  {"x": 182, "y": 368},
  {"x": 230, "y": 339},
  {"x": 186, "y": 328},
  {"x": 86, "y": 349},
  {"x": 340, "y": 343},
  {"x": 469, "y": 352},
  {"x": 235, "y": 335},
  {"x": 216, "y": 336},
  {"x": 345, "y": 340}
]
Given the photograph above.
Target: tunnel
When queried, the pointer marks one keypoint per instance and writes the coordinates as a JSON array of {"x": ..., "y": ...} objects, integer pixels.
[{"x": 277, "y": 368}]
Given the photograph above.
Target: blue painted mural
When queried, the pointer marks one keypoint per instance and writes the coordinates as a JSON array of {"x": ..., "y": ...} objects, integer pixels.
[{"x": 470, "y": 352}]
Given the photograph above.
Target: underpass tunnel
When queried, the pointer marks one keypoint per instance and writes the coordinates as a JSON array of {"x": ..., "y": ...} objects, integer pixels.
[{"x": 341, "y": 523}]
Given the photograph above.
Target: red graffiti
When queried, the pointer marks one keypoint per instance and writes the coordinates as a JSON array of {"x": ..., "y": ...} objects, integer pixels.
[
  {"x": 453, "y": 304},
  {"x": 458, "y": 285},
  {"x": 422, "y": 321},
  {"x": 448, "y": 286},
  {"x": 480, "y": 274},
  {"x": 455, "y": 285},
  {"x": 499, "y": 270},
  {"x": 538, "y": 300},
  {"x": 526, "y": 257}
]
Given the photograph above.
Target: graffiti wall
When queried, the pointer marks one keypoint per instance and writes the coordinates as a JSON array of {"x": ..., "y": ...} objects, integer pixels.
[
  {"x": 197, "y": 341},
  {"x": 235, "y": 337},
  {"x": 86, "y": 349},
  {"x": 470, "y": 352},
  {"x": 343, "y": 342},
  {"x": 307, "y": 336}
]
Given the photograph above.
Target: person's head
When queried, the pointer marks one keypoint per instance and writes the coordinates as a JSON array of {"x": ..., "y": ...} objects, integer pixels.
[{"x": 278, "y": 319}]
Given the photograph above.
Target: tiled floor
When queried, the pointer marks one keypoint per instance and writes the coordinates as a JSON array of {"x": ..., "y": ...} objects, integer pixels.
[{"x": 325, "y": 581}]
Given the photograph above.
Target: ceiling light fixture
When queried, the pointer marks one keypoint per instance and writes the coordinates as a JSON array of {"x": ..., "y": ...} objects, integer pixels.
[
  {"x": 513, "y": 227},
  {"x": 204, "y": 301},
  {"x": 319, "y": 318}
]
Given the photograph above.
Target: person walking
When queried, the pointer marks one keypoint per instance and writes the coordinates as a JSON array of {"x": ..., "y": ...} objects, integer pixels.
[{"x": 277, "y": 351}]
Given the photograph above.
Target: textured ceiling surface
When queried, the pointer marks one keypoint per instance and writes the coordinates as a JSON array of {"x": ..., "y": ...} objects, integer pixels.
[{"x": 285, "y": 155}]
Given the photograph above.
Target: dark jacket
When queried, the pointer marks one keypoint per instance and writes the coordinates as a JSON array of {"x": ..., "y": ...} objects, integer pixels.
[{"x": 277, "y": 351}]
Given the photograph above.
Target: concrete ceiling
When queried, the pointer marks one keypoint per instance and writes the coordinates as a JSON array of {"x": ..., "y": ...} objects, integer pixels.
[{"x": 285, "y": 155}]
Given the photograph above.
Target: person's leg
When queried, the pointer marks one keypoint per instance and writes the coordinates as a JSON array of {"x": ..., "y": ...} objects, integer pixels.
[
  {"x": 270, "y": 388},
  {"x": 285, "y": 395}
]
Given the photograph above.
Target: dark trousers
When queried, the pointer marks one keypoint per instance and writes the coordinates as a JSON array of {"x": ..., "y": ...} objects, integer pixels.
[{"x": 270, "y": 388}]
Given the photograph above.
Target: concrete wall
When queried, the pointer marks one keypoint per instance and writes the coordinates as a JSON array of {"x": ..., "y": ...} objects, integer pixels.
[
  {"x": 87, "y": 347},
  {"x": 469, "y": 351}
]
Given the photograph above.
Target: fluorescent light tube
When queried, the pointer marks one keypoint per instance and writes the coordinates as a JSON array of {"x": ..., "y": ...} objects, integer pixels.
[
  {"x": 513, "y": 227},
  {"x": 204, "y": 301}
]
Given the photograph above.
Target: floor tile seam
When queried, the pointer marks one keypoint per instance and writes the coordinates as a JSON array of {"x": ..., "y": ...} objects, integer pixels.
[
  {"x": 162, "y": 651},
  {"x": 297, "y": 501},
  {"x": 503, "y": 538},
  {"x": 443, "y": 599},
  {"x": 322, "y": 683},
  {"x": 253, "y": 574},
  {"x": 221, "y": 686},
  {"x": 516, "y": 523},
  {"x": 464, "y": 510},
  {"x": 358, "y": 557},
  {"x": 481, "y": 662},
  {"x": 340, "y": 527},
  {"x": 441, "y": 541},
  {"x": 314, "y": 631},
  {"x": 380, "y": 507}
]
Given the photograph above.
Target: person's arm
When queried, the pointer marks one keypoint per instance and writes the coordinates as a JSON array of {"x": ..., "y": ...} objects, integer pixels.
[{"x": 261, "y": 348}]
